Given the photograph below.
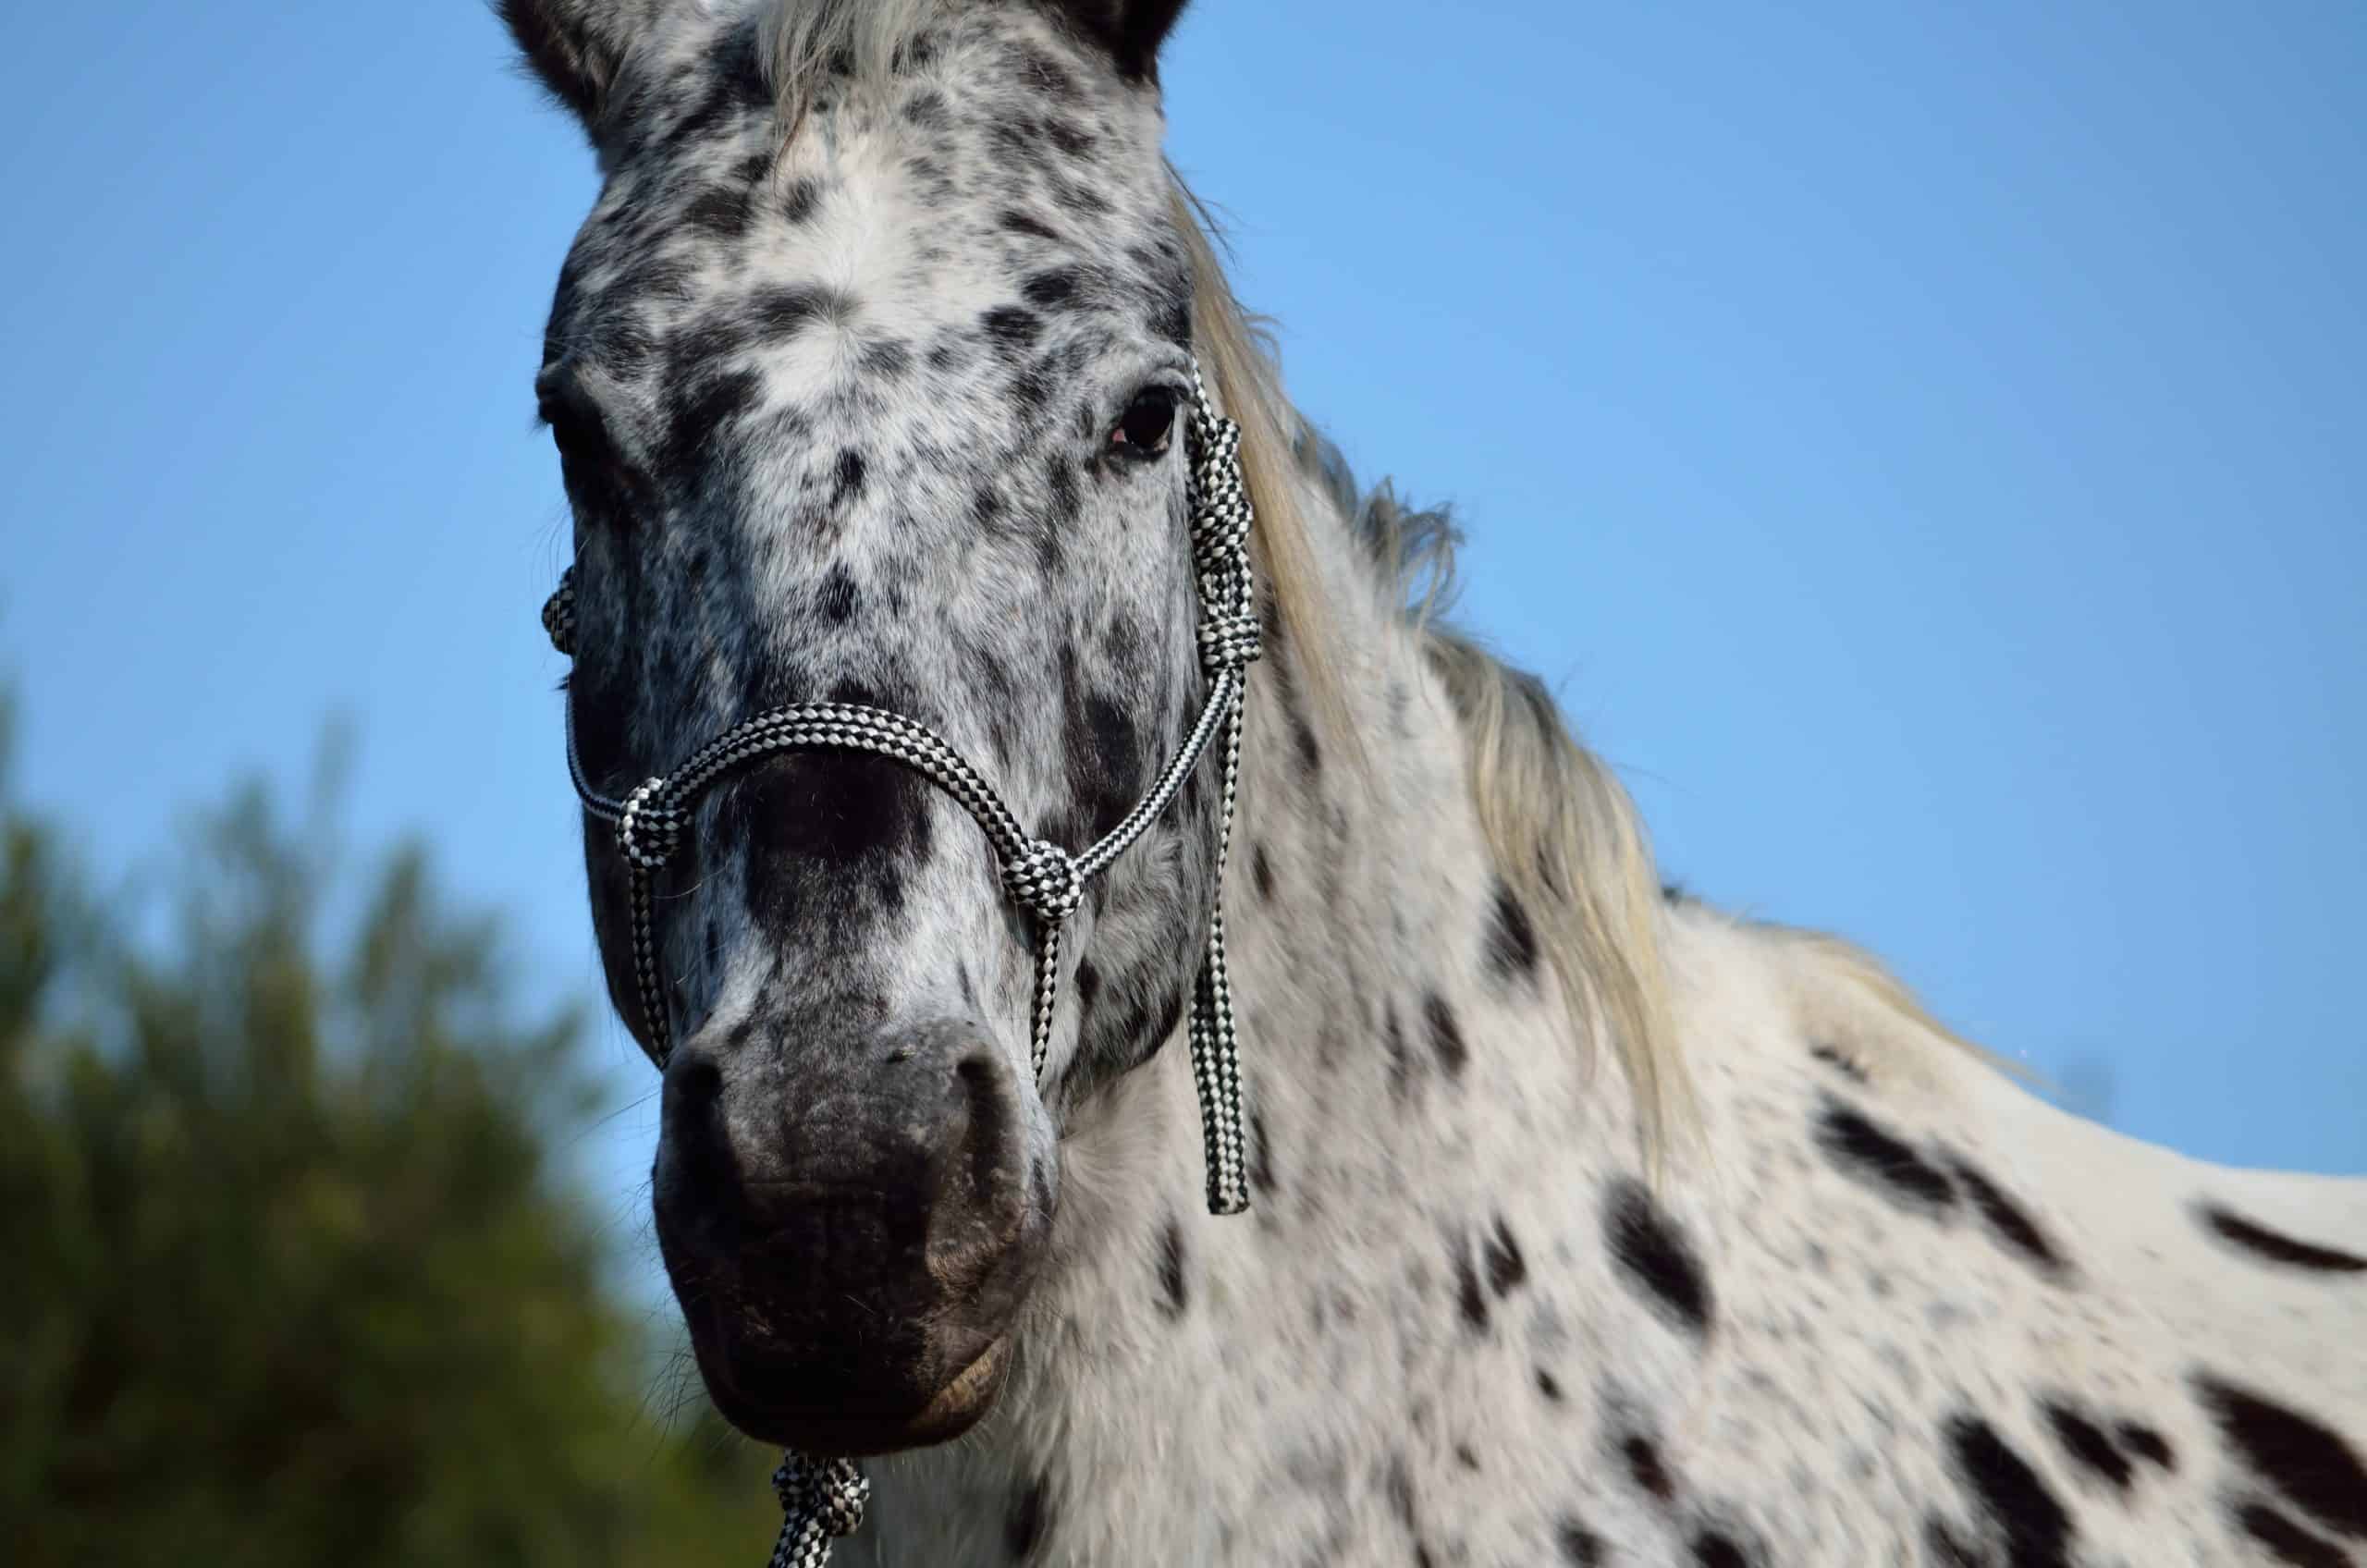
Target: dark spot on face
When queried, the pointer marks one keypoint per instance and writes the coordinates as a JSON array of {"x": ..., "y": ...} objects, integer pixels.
[
  {"x": 1060, "y": 474},
  {"x": 2032, "y": 1525},
  {"x": 2087, "y": 1443},
  {"x": 1581, "y": 1548},
  {"x": 1859, "y": 1148},
  {"x": 1832, "y": 1057},
  {"x": 2007, "y": 1221},
  {"x": 2287, "y": 1541},
  {"x": 1714, "y": 1548},
  {"x": 1011, "y": 326},
  {"x": 835, "y": 601},
  {"x": 1512, "y": 939},
  {"x": 801, "y": 200},
  {"x": 697, "y": 411},
  {"x": 926, "y": 110},
  {"x": 1469, "y": 1296},
  {"x": 1644, "y": 1467},
  {"x": 1548, "y": 1386},
  {"x": 1261, "y": 873},
  {"x": 1072, "y": 138},
  {"x": 1506, "y": 1267},
  {"x": 886, "y": 358},
  {"x": 719, "y": 210},
  {"x": 1028, "y": 1521},
  {"x": 1045, "y": 289},
  {"x": 782, "y": 310},
  {"x": 2307, "y": 1461},
  {"x": 1016, "y": 222},
  {"x": 846, "y": 482},
  {"x": 2147, "y": 1444},
  {"x": 1651, "y": 1248},
  {"x": 1170, "y": 319},
  {"x": 2249, "y": 1236},
  {"x": 1171, "y": 1300},
  {"x": 1466, "y": 1457},
  {"x": 1446, "y": 1034}
]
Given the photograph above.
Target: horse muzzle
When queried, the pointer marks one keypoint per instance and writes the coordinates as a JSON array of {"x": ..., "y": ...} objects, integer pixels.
[{"x": 852, "y": 1231}]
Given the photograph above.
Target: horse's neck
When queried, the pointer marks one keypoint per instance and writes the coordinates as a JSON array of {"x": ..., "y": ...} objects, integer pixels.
[{"x": 1419, "y": 1115}]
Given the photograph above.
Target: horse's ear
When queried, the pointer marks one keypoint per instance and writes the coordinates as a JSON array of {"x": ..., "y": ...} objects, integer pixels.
[
  {"x": 1133, "y": 29},
  {"x": 575, "y": 46}
]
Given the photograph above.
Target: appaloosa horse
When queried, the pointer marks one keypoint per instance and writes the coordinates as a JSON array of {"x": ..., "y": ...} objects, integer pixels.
[{"x": 928, "y": 658}]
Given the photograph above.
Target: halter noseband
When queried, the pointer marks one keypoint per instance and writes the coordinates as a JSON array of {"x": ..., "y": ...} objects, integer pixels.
[{"x": 824, "y": 1499}]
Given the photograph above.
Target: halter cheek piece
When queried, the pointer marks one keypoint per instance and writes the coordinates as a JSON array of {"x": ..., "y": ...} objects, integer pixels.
[{"x": 824, "y": 1499}]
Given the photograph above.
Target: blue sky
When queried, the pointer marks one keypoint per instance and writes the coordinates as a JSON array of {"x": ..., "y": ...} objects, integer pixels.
[{"x": 1923, "y": 446}]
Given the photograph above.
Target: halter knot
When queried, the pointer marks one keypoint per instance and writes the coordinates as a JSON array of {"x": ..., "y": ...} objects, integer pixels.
[
  {"x": 1229, "y": 643},
  {"x": 820, "y": 1498},
  {"x": 559, "y": 614},
  {"x": 1044, "y": 880},
  {"x": 648, "y": 833}
]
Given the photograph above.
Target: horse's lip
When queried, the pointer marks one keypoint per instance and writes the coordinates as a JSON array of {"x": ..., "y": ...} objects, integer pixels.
[{"x": 858, "y": 1434}]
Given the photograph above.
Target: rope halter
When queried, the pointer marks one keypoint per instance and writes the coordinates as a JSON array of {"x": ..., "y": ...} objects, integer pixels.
[{"x": 824, "y": 1498}]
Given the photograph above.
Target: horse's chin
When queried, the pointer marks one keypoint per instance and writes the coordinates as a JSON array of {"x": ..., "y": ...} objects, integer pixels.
[{"x": 847, "y": 1430}]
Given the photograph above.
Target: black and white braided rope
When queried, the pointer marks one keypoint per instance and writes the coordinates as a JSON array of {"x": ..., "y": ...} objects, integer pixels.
[
  {"x": 820, "y": 1501},
  {"x": 824, "y": 1499}
]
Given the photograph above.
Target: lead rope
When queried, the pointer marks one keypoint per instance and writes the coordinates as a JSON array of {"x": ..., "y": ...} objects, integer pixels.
[{"x": 824, "y": 1499}]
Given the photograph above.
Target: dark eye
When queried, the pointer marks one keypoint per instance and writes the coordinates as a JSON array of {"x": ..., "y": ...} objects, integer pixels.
[{"x": 1148, "y": 424}]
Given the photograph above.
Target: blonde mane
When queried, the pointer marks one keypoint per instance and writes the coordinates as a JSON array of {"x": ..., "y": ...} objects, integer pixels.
[{"x": 1563, "y": 834}]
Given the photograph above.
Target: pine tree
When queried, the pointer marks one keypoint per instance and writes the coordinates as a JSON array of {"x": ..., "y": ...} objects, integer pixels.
[{"x": 290, "y": 1277}]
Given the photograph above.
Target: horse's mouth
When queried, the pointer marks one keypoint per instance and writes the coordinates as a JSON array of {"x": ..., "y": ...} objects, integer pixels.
[{"x": 776, "y": 1407}]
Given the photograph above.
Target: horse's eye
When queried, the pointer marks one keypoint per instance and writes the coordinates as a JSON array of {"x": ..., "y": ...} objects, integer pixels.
[{"x": 1148, "y": 424}]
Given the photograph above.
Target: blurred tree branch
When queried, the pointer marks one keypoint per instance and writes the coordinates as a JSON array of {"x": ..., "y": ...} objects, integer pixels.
[{"x": 292, "y": 1281}]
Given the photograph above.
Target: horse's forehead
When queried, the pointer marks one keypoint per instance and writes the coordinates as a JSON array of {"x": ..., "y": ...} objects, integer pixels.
[{"x": 1005, "y": 194}]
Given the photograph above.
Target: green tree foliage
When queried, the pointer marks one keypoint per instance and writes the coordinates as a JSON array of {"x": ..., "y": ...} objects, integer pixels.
[{"x": 289, "y": 1276}]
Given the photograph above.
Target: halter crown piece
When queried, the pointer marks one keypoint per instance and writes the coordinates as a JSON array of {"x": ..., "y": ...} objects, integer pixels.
[{"x": 824, "y": 1498}]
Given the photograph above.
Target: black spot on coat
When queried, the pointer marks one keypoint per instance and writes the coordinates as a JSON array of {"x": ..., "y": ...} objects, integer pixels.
[
  {"x": 847, "y": 479},
  {"x": 2087, "y": 1443},
  {"x": 1644, "y": 1467},
  {"x": 1832, "y": 1057},
  {"x": 1511, "y": 938},
  {"x": 2031, "y": 1523},
  {"x": 1028, "y": 1521},
  {"x": 836, "y": 599},
  {"x": 2147, "y": 1444},
  {"x": 1171, "y": 1298},
  {"x": 2286, "y": 1539},
  {"x": 1652, "y": 1248},
  {"x": 1581, "y": 1548},
  {"x": 1048, "y": 289},
  {"x": 2310, "y": 1463},
  {"x": 2249, "y": 1236},
  {"x": 1714, "y": 1548},
  {"x": 1467, "y": 1293},
  {"x": 1446, "y": 1034},
  {"x": 1011, "y": 326},
  {"x": 1862, "y": 1149},
  {"x": 2010, "y": 1224},
  {"x": 1506, "y": 1267}
]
